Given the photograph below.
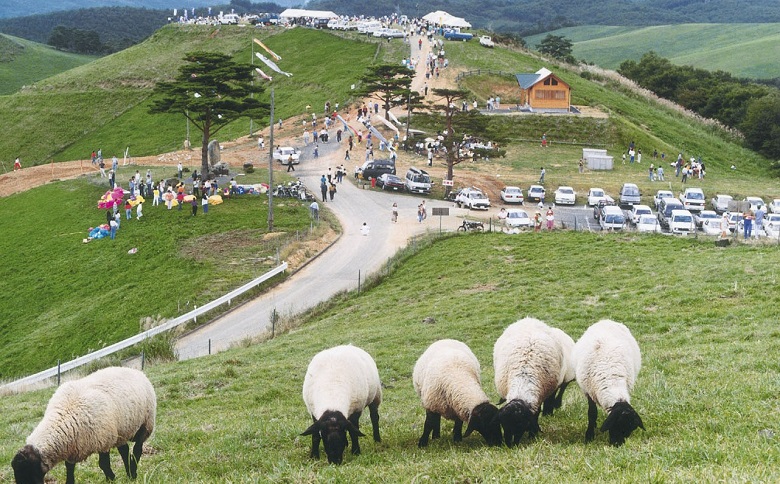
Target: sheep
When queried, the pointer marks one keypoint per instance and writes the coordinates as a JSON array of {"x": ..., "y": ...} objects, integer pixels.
[
  {"x": 93, "y": 414},
  {"x": 447, "y": 379},
  {"x": 607, "y": 360},
  {"x": 340, "y": 382},
  {"x": 567, "y": 345},
  {"x": 531, "y": 363}
]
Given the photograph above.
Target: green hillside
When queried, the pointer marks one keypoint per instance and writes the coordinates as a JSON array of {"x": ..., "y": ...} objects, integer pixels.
[
  {"x": 23, "y": 62},
  {"x": 745, "y": 50}
]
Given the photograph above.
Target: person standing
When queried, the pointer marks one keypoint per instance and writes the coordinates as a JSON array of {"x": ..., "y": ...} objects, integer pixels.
[
  {"x": 314, "y": 209},
  {"x": 364, "y": 229},
  {"x": 542, "y": 172},
  {"x": 324, "y": 188},
  {"x": 111, "y": 179},
  {"x": 113, "y": 226},
  {"x": 550, "y": 218},
  {"x": 204, "y": 202},
  {"x": 724, "y": 225},
  {"x": 102, "y": 166},
  {"x": 128, "y": 210},
  {"x": 544, "y": 140},
  {"x": 180, "y": 197},
  {"x": 394, "y": 216},
  {"x": 139, "y": 211},
  {"x": 180, "y": 169},
  {"x": 537, "y": 221},
  {"x": 114, "y": 163},
  {"x": 194, "y": 202},
  {"x": 760, "y": 212},
  {"x": 332, "y": 191},
  {"x": 747, "y": 228}
]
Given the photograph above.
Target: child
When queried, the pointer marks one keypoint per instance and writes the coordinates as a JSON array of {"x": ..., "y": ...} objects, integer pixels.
[{"x": 128, "y": 210}]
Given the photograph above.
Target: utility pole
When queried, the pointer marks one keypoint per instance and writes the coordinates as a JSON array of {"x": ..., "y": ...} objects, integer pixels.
[
  {"x": 252, "y": 95},
  {"x": 271, "y": 169}
]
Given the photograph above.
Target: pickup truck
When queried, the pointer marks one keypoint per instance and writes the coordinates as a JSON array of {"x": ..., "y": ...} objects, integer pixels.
[
  {"x": 486, "y": 41},
  {"x": 283, "y": 153},
  {"x": 693, "y": 199},
  {"x": 455, "y": 35}
]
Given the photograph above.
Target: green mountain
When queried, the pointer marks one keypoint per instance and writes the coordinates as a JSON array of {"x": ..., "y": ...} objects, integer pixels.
[
  {"x": 23, "y": 62},
  {"x": 741, "y": 49}
]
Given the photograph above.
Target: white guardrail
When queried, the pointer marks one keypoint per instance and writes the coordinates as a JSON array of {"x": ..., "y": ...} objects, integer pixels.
[{"x": 108, "y": 350}]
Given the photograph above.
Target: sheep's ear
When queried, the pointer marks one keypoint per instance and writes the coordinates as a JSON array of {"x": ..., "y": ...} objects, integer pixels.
[
  {"x": 352, "y": 429},
  {"x": 469, "y": 429},
  {"x": 639, "y": 422},
  {"x": 312, "y": 428}
]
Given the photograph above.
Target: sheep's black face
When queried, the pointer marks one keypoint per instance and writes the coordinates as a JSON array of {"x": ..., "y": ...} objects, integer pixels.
[
  {"x": 621, "y": 422},
  {"x": 334, "y": 436},
  {"x": 516, "y": 419},
  {"x": 484, "y": 419},
  {"x": 28, "y": 467}
]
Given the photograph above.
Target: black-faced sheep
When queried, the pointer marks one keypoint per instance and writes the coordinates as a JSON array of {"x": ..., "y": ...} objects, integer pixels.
[
  {"x": 103, "y": 410},
  {"x": 607, "y": 361},
  {"x": 340, "y": 382},
  {"x": 447, "y": 379},
  {"x": 531, "y": 363}
]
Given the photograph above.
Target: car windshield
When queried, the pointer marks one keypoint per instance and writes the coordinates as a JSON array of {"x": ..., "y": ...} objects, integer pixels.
[
  {"x": 709, "y": 215},
  {"x": 695, "y": 196},
  {"x": 774, "y": 218},
  {"x": 682, "y": 218},
  {"x": 614, "y": 219},
  {"x": 597, "y": 193},
  {"x": 567, "y": 191},
  {"x": 647, "y": 221},
  {"x": 643, "y": 211},
  {"x": 630, "y": 191},
  {"x": 517, "y": 215}
]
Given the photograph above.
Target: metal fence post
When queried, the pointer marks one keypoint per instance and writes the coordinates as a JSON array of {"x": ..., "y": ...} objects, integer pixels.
[
  {"x": 59, "y": 374},
  {"x": 209, "y": 345},
  {"x": 358, "y": 281},
  {"x": 143, "y": 359}
]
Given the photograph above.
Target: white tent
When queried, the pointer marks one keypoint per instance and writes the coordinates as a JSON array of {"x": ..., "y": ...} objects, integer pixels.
[
  {"x": 301, "y": 13},
  {"x": 440, "y": 17}
]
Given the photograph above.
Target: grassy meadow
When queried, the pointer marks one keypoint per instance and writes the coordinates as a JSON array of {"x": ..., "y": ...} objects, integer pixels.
[
  {"x": 702, "y": 315},
  {"x": 744, "y": 50}
]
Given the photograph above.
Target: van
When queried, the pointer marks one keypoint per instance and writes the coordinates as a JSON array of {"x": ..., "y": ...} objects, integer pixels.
[
  {"x": 229, "y": 19},
  {"x": 681, "y": 222},
  {"x": 369, "y": 26},
  {"x": 376, "y": 168},
  {"x": 417, "y": 181},
  {"x": 612, "y": 218},
  {"x": 629, "y": 194},
  {"x": 665, "y": 209}
]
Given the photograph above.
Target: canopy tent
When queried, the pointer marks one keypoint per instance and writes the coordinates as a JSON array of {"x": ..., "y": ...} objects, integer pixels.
[
  {"x": 301, "y": 13},
  {"x": 440, "y": 17}
]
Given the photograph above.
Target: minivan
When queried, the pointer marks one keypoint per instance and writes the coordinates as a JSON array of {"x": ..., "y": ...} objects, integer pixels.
[
  {"x": 629, "y": 194},
  {"x": 417, "y": 181},
  {"x": 375, "y": 168},
  {"x": 681, "y": 222},
  {"x": 665, "y": 210},
  {"x": 613, "y": 218}
]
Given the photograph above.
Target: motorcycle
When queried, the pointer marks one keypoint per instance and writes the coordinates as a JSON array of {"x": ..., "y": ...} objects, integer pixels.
[{"x": 471, "y": 226}]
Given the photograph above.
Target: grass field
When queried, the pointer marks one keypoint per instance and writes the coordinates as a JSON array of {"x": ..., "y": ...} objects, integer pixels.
[
  {"x": 703, "y": 316},
  {"x": 23, "y": 62},
  {"x": 744, "y": 50}
]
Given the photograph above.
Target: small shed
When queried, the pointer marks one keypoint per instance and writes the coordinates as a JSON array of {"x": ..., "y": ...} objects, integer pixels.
[{"x": 544, "y": 91}]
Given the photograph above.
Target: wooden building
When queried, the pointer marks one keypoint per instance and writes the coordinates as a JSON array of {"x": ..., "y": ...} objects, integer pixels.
[{"x": 544, "y": 91}]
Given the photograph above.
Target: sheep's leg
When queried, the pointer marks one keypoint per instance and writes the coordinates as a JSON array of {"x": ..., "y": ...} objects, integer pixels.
[
  {"x": 549, "y": 405},
  {"x": 432, "y": 423},
  {"x": 592, "y": 415},
  {"x": 138, "y": 450},
  {"x": 457, "y": 432},
  {"x": 70, "y": 468},
  {"x": 559, "y": 397},
  {"x": 124, "y": 451},
  {"x": 104, "y": 461},
  {"x": 353, "y": 433},
  {"x": 373, "y": 409}
]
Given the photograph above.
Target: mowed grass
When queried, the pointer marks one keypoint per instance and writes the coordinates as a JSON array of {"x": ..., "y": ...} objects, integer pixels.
[
  {"x": 23, "y": 62},
  {"x": 66, "y": 298},
  {"x": 741, "y": 49},
  {"x": 703, "y": 316}
]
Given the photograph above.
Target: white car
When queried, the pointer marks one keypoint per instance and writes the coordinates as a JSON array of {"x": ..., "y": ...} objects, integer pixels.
[
  {"x": 283, "y": 154},
  {"x": 517, "y": 218},
  {"x": 595, "y": 195},
  {"x": 720, "y": 203},
  {"x": 535, "y": 193},
  {"x": 681, "y": 222},
  {"x": 648, "y": 223},
  {"x": 486, "y": 41},
  {"x": 709, "y": 222},
  {"x": 755, "y": 202},
  {"x": 774, "y": 207},
  {"x": 512, "y": 195},
  {"x": 473, "y": 199},
  {"x": 613, "y": 218},
  {"x": 660, "y": 195},
  {"x": 565, "y": 196},
  {"x": 637, "y": 212},
  {"x": 772, "y": 225}
]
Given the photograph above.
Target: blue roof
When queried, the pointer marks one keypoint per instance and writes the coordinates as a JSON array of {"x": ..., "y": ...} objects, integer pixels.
[{"x": 527, "y": 80}]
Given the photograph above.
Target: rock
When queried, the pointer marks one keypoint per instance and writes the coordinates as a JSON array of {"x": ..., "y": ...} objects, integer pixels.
[{"x": 429, "y": 320}]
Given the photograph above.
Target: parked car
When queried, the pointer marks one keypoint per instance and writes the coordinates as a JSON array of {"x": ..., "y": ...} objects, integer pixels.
[
  {"x": 693, "y": 199},
  {"x": 376, "y": 168},
  {"x": 710, "y": 226},
  {"x": 772, "y": 225},
  {"x": 388, "y": 181},
  {"x": 595, "y": 195},
  {"x": 700, "y": 217},
  {"x": 417, "y": 181},
  {"x": 720, "y": 203},
  {"x": 681, "y": 222},
  {"x": 283, "y": 154},
  {"x": 755, "y": 202},
  {"x": 665, "y": 210},
  {"x": 486, "y": 41},
  {"x": 774, "y": 207},
  {"x": 629, "y": 194},
  {"x": 535, "y": 193},
  {"x": 637, "y": 212},
  {"x": 516, "y": 217},
  {"x": 473, "y": 199},
  {"x": 598, "y": 210},
  {"x": 660, "y": 195},
  {"x": 512, "y": 195},
  {"x": 612, "y": 218},
  {"x": 735, "y": 221},
  {"x": 565, "y": 196},
  {"x": 648, "y": 223},
  {"x": 457, "y": 35}
]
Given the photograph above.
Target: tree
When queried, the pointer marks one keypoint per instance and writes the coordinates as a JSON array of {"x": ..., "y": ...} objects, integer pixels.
[
  {"x": 211, "y": 91},
  {"x": 761, "y": 125},
  {"x": 388, "y": 83},
  {"x": 459, "y": 123},
  {"x": 557, "y": 46}
]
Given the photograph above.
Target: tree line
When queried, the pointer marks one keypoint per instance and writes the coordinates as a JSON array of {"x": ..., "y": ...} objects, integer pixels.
[{"x": 750, "y": 107}]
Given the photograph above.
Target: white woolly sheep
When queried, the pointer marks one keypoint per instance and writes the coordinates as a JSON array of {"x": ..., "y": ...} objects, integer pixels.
[
  {"x": 103, "y": 410},
  {"x": 567, "y": 345},
  {"x": 530, "y": 365},
  {"x": 340, "y": 382},
  {"x": 607, "y": 361},
  {"x": 447, "y": 379}
]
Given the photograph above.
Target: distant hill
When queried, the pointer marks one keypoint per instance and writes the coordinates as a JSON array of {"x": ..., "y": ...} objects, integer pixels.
[
  {"x": 740, "y": 49},
  {"x": 23, "y": 62},
  {"x": 23, "y": 8}
]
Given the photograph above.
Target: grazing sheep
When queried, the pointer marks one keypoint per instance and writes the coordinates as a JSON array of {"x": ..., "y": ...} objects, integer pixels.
[
  {"x": 103, "y": 410},
  {"x": 567, "y": 345},
  {"x": 607, "y": 361},
  {"x": 530, "y": 365},
  {"x": 340, "y": 382},
  {"x": 447, "y": 379}
]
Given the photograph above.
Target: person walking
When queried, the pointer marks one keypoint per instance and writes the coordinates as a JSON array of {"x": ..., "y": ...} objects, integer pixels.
[
  {"x": 542, "y": 172},
  {"x": 128, "y": 210},
  {"x": 324, "y": 188},
  {"x": 550, "y": 218},
  {"x": 139, "y": 211},
  {"x": 332, "y": 191},
  {"x": 394, "y": 216}
]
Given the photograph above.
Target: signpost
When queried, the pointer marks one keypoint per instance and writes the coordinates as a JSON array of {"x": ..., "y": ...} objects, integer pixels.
[{"x": 441, "y": 212}]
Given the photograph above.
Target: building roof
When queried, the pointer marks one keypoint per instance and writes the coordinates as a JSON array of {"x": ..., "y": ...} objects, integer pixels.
[
  {"x": 440, "y": 17},
  {"x": 526, "y": 81},
  {"x": 301, "y": 13}
]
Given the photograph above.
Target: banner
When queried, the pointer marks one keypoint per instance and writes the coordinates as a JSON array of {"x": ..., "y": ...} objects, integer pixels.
[
  {"x": 263, "y": 74},
  {"x": 271, "y": 64},
  {"x": 273, "y": 54}
]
